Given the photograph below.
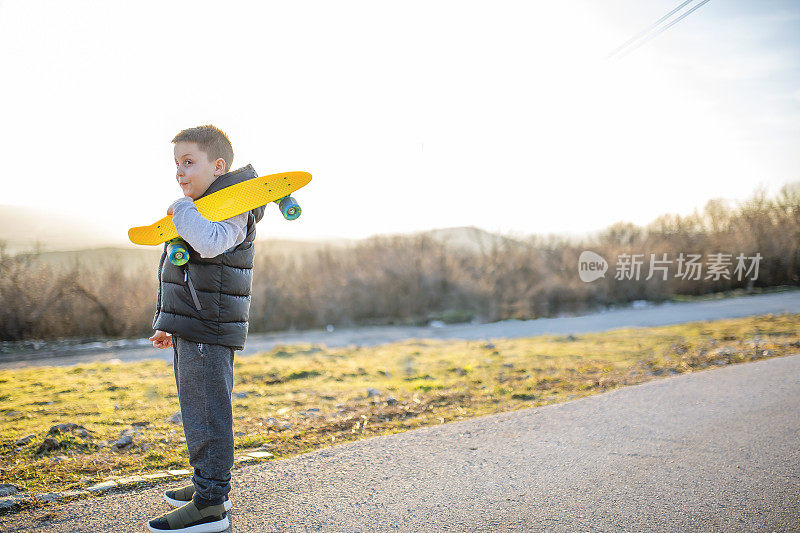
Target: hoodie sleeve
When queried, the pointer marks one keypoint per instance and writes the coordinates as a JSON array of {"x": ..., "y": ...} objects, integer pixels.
[{"x": 209, "y": 238}]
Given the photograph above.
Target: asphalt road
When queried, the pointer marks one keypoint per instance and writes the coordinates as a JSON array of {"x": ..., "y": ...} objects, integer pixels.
[
  {"x": 651, "y": 315},
  {"x": 710, "y": 451}
]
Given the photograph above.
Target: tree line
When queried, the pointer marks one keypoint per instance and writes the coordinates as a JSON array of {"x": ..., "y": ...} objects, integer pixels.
[{"x": 415, "y": 279}]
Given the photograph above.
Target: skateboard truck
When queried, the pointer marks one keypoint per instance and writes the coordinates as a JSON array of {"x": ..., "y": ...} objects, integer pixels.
[{"x": 289, "y": 207}]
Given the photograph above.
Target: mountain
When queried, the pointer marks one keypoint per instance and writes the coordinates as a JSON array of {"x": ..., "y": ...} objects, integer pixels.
[
  {"x": 25, "y": 228},
  {"x": 470, "y": 238},
  {"x": 64, "y": 239}
]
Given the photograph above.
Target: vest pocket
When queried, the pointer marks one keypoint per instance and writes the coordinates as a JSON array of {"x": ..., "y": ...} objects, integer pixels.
[{"x": 188, "y": 280}]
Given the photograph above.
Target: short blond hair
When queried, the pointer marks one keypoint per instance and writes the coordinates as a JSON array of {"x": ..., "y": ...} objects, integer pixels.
[{"x": 211, "y": 140}]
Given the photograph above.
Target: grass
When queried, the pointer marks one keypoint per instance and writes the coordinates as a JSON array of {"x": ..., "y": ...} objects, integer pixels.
[
  {"x": 300, "y": 398},
  {"x": 733, "y": 293}
]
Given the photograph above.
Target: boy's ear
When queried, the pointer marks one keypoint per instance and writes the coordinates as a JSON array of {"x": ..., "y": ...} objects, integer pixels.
[{"x": 219, "y": 167}]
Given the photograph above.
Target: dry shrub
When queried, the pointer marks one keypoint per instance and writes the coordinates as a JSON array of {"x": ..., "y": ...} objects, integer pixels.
[{"x": 413, "y": 279}]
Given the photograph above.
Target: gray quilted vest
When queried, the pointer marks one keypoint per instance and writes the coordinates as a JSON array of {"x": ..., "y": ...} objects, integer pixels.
[{"x": 207, "y": 300}]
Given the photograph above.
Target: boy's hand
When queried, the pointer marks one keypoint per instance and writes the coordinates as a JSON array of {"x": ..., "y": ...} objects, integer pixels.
[
  {"x": 161, "y": 339},
  {"x": 171, "y": 208}
]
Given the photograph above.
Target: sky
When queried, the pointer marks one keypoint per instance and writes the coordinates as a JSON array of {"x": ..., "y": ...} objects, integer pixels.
[{"x": 410, "y": 116}]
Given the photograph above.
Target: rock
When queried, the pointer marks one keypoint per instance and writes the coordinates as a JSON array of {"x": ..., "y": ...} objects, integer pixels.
[
  {"x": 13, "y": 502},
  {"x": 178, "y": 472},
  {"x": 311, "y": 412},
  {"x": 100, "y": 488},
  {"x": 49, "y": 444},
  {"x": 63, "y": 428},
  {"x": 284, "y": 426},
  {"x": 373, "y": 392},
  {"x": 240, "y": 434},
  {"x": 239, "y": 395},
  {"x": 260, "y": 455},
  {"x": 271, "y": 422},
  {"x": 391, "y": 401},
  {"x": 70, "y": 494},
  {"x": 141, "y": 424},
  {"x": 123, "y": 442},
  {"x": 489, "y": 346},
  {"x": 177, "y": 418},
  {"x": 130, "y": 432},
  {"x": 158, "y": 475},
  {"x": 132, "y": 480},
  {"x": 48, "y": 497},
  {"x": 25, "y": 440},
  {"x": 7, "y": 489}
]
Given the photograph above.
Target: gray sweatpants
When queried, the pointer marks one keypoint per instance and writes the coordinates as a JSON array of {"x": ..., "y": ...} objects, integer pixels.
[{"x": 204, "y": 377}]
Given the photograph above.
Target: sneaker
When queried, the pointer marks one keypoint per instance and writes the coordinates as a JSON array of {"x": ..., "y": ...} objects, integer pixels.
[
  {"x": 180, "y": 497},
  {"x": 192, "y": 518}
]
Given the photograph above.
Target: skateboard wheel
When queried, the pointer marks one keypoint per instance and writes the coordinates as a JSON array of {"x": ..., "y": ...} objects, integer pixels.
[
  {"x": 289, "y": 208},
  {"x": 177, "y": 253}
]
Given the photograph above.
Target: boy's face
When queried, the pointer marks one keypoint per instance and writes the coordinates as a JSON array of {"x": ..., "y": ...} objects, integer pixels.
[{"x": 195, "y": 172}]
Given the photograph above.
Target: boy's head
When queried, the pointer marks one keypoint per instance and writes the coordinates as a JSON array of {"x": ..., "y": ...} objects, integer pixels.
[{"x": 202, "y": 154}]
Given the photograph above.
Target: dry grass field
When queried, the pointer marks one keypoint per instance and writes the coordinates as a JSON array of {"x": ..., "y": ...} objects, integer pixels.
[{"x": 299, "y": 398}]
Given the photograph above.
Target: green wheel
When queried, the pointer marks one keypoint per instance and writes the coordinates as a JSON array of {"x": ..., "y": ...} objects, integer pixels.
[
  {"x": 177, "y": 252},
  {"x": 290, "y": 209}
]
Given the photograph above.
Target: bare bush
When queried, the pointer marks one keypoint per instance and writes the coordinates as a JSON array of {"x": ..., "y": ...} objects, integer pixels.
[{"x": 413, "y": 279}]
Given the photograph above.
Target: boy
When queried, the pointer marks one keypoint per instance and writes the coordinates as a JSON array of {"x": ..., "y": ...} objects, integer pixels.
[{"x": 202, "y": 312}]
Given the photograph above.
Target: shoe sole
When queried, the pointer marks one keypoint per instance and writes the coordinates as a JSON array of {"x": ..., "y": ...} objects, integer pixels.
[
  {"x": 178, "y": 503},
  {"x": 211, "y": 527}
]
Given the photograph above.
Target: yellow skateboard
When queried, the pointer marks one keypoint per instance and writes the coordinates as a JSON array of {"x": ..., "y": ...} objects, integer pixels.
[{"x": 232, "y": 201}]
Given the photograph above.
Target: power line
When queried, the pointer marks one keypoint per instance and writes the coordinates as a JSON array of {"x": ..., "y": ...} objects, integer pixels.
[
  {"x": 619, "y": 50},
  {"x": 646, "y": 30}
]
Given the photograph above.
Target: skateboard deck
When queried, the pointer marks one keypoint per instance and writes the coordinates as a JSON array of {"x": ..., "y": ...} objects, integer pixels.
[{"x": 226, "y": 203}]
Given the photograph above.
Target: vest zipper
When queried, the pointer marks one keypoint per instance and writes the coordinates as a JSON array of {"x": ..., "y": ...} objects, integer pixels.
[{"x": 188, "y": 281}]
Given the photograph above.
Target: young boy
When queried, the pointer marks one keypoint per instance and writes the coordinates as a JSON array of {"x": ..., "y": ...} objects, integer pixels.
[{"x": 202, "y": 312}]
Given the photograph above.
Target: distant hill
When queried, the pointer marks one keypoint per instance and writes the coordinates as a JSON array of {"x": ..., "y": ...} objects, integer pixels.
[
  {"x": 23, "y": 228},
  {"x": 470, "y": 238},
  {"x": 63, "y": 240},
  {"x": 60, "y": 239}
]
